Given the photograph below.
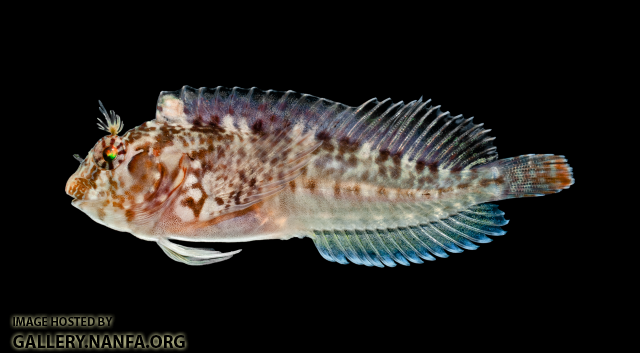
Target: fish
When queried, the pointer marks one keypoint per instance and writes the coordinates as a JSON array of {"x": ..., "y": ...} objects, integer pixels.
[{"x": 378, "y": 185}]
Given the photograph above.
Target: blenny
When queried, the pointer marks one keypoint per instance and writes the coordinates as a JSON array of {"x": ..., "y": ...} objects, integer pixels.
[{"x": 378, "y": 184}]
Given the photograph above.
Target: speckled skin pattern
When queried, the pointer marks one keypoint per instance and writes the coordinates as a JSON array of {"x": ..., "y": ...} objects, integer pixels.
[{"x": 236, "y": 165}]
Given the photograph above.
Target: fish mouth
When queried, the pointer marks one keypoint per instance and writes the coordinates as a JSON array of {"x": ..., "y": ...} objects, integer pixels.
[{"x": 77, "y": 187}]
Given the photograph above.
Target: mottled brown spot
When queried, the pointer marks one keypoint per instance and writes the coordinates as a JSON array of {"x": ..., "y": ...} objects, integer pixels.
[
  {"x": 196, "y": 207},
  {"x": 327, "y": 147},
  {"x": 346, "y": 146},
  {"x": 395, "y": 172},
  {"x": 323, "y": 136},
  {"x": 433, "y": 167},
  {"x": 310, "y": 184},
  {"x": 352, "y": 161},
  {"x": 420, "y": 165},
  {"x": 382, "y": 157},
  {"x": 210, "y": 131},
  {"x": 130, "y": 214},
  {"x": 219, "y": 201},
  {"x": 382, "y": 191},
  {"x": 164, "y": 138},
  {"x": 382, "y": 171},
  {"x": 257, "y": 127},
  {"x": 485, "y": 182},
  {"x": 336, "y": 189},
  {"x": 397, "y": 159},
  {"x": 292, "y": 185},
  {"x": 463, "y": 186},
  {"x": 500, "y": 180}
]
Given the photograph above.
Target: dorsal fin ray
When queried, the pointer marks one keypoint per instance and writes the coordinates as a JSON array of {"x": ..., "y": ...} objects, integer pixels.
[{"x": 415, "y": 131}]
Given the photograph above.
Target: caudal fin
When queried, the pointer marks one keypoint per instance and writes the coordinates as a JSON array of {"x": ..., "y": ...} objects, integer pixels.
[{"x": 534, "y": 175}]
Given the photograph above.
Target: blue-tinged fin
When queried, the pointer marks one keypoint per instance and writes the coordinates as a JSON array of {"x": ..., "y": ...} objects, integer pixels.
[
  {"x": 417, "y": 129},
  {"x": 405, "y": 245}
]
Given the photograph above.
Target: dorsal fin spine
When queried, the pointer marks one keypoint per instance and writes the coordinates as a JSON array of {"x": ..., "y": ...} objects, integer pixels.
[
  {"x": 427, "y": 148},
  {"x": 434, "y": 151},
  {"x": 402, "y": 143},
  {"x": 444, "y": 155},
  {"x": 462, "y": 146},
  {"x": 395, "y": 132},
  {"x": 370, "y": 131},
  {"x": 462, "y": 158},
  {"x": 365, "y": 116},
  {"x": 383, "y": 130},
  {"x": 478, "y": 160},
  {"x": 411, "y": 153}
]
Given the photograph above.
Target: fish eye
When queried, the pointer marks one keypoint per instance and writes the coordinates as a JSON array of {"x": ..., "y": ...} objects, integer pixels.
[{"x": 109, "y": 152}]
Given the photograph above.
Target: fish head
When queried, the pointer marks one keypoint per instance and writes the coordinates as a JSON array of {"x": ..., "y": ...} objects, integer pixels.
[{"x": 124, "y": 181}]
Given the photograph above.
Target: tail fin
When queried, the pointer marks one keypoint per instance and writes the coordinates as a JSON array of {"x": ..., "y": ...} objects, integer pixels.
[{"x": 534, "y": 175}]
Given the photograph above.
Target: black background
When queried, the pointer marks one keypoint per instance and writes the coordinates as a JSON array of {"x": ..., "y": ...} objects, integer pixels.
[{"x": 523, "y": 284}]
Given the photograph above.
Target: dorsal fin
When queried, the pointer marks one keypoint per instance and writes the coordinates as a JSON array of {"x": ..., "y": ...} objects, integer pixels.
[{"x": 416, "y": 131}]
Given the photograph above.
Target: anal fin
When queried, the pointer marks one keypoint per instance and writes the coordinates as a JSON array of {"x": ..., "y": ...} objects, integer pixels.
[{"x": 403, "y": 245}]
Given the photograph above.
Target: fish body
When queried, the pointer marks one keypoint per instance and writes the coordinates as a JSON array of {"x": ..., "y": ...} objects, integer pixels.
[{"x": 377, "y": 184}]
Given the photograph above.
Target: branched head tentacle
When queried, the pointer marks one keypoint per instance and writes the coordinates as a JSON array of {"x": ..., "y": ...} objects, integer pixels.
[{"x": 113, "y": 123}]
